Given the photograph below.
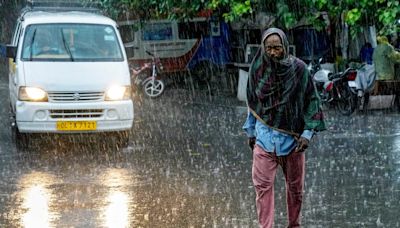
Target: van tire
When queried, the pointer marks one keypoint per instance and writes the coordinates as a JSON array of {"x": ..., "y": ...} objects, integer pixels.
[{"x": 21, "y": 140}]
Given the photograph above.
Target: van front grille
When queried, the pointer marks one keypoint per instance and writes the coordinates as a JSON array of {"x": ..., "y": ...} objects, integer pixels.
[
  {"x": 75, "y": 96},
  {"x": 76, "y": 113}
]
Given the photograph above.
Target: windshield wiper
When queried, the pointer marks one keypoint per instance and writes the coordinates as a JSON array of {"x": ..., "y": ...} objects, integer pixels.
[
  {"x": 66, "y": 46},
  {"x": 31, "y": 46}
]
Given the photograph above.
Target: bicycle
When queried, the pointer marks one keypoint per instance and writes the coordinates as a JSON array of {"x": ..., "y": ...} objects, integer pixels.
[{"x": 152, "y": 86}]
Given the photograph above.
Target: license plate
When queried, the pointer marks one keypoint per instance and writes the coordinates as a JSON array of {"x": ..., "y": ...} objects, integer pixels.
[
  {"x": 352, "y": 83},
  {"x": 76, "y": 125}
]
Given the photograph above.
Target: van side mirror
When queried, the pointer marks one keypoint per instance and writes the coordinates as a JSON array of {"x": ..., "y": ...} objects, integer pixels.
[
  {"x": 11, "y": 51},
  {"x": 8, "y": 51}
]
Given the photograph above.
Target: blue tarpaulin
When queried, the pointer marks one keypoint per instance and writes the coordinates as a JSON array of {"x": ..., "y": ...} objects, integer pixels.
[{"x": 310, "y": 43}]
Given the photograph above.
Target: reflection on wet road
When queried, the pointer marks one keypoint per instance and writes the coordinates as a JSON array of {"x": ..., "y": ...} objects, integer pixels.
[
  {"x": 36, "y": 197},
  {"x": 118, "y": 198},
  {"x": 188, "y": 166},
  {"x": 42, "y": 200}
]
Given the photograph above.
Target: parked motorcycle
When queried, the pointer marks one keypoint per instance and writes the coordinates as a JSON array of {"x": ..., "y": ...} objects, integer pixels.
[{"x": 334, "y": 89}]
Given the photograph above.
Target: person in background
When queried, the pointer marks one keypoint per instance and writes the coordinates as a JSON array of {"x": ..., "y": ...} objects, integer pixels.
[
  {"x": 283, "y": 114},
  {"x": 366, "y": 53},
  {"x": 384, "y": 58}
]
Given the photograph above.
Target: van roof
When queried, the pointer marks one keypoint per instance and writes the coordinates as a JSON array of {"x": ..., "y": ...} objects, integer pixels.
[{"x": 42, "y": 17}]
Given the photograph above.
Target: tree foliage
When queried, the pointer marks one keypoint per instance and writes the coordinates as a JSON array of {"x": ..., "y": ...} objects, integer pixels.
[
  {"x": 8, "y": 14},
  {"x": 382, "y": 13}
]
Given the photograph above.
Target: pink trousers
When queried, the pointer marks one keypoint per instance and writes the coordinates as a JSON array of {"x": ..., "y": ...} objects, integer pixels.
[{"x": 264, "y": 169}]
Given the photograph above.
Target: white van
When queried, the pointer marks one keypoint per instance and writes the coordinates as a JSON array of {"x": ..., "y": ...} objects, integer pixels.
[{"x": 69, "y": 73}]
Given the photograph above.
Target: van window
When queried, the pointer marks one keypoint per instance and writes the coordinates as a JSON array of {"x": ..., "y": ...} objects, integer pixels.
[
  {"x": 157, "y": 31},
  {"x": 193, "y": 30},
  {"x": 71, "y": 42}
]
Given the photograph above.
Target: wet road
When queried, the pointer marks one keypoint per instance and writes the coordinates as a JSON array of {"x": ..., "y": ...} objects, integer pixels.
[{"x": 188, "y": 165}]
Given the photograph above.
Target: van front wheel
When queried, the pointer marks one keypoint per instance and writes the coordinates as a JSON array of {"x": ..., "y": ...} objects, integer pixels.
[{"x": 21, "y": 140}]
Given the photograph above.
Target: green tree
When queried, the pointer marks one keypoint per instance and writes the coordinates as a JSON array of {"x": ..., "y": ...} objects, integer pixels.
[
  {"x": 8, "y": 13},
  {"x": 382, "y": 13}
]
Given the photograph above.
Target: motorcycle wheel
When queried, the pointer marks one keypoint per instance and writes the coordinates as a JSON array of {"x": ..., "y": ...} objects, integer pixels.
[
  {"x": 154, "y": 88},
  {"x": 348, "y": 101}
]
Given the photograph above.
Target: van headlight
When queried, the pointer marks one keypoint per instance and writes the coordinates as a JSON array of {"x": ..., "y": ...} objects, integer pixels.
[
  {"x": 117, "y": 93},
  {"x": 32, "y": 94}
]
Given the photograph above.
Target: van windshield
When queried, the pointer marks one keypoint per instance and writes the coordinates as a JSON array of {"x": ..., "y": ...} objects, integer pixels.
[{"x": 71, "y": 42}]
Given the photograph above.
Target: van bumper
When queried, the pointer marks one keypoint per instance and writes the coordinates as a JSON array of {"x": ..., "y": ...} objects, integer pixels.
[{"x": 42, "y": 117}]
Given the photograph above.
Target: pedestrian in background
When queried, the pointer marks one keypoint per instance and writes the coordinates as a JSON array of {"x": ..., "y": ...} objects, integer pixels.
[
  {"x": 284, "y": 113},
  {"x": 385, "y": 57}
]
